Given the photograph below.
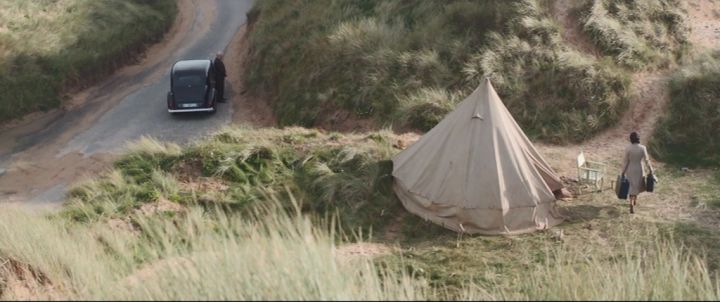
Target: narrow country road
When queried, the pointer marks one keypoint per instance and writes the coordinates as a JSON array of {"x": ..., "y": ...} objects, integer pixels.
[{"x": 41, "y": 157}]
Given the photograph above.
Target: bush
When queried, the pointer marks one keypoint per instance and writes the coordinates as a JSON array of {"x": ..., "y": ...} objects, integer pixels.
[{"x": 687, "y": 134}]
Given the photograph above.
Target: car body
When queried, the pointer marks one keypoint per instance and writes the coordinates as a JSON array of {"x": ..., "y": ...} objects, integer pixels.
[{"x": 192, "y": 87}]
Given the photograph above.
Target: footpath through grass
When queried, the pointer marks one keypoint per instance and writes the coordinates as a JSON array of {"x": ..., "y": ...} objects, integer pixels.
[{"x": 49, "y": 46}]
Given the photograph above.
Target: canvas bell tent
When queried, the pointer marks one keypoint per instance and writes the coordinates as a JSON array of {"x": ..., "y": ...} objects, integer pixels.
[{"x": 477, "y": 172}]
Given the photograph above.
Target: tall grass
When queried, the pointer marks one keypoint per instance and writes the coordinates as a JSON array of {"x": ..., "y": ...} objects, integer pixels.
[
  {"x": 638, "y": 34},
  {"x": 329, "y": 172},
  {"x": 48, "y": 46},
  {"x": 663, "y": 272},
  {"x": 687, "y": 134},
  {"x": 411, "y": 62},
  {"x": 272, "y": 254},
  {"x": 203, "y": 255}
]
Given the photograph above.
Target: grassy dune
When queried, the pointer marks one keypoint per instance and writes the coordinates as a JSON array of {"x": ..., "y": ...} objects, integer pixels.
[
  {"x": 161, "y": 225},
  {"x": 409, "y": 63},
  {"x": 638, "y": 34},
  {"x": 687, "y": 134},
  {"x": 48, "y": 46},
  {"x": 238, "y": 168}
]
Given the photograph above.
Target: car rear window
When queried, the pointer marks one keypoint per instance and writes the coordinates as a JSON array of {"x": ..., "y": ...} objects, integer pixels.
[{"x": 189, "y": 81}]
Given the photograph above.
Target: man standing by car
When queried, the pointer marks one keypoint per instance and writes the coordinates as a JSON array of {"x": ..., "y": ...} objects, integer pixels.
[{"x": 220, "y": 77}]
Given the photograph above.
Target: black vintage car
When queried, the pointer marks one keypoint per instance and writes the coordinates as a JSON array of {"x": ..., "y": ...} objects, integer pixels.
[{"x": 192, "y": 87}]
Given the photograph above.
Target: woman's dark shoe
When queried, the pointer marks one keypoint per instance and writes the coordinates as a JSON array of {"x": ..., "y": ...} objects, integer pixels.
[{"x": 632, "y": 209}]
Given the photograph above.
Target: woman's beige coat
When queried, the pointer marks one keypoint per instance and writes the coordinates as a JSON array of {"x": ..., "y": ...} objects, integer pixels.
[{"x": 635, "y": 154}]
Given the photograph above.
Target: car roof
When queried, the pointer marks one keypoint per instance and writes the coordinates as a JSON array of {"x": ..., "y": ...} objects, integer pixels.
[{"x": 192, "y": 65}]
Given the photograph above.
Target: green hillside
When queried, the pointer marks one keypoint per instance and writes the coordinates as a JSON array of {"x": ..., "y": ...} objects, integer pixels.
[
  {"x": 407, "y": 63},
  {"x": 49, "y": 46},
  {"x": 637, "y": 34},
  {"x": 688, "y": 133},
  {"x": 331, "y": 172}
]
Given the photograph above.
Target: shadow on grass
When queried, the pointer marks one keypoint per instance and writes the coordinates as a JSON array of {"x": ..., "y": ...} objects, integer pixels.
[
  {"x": 584, "y": 212},
  {"x": 415, "y": 230}
]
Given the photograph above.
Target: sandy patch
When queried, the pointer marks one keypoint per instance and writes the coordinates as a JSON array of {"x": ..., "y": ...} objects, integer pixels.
[
  {"x": 19, "y": 281},
  {"x": 704, "y": 18},
  {"x": 206, "y": 184},
  {"x": 353, "y": 251},
  {"x": 188, "y": 170},
  {"x": 162, "y": 205},
  {"x": 122, "y": 225}
]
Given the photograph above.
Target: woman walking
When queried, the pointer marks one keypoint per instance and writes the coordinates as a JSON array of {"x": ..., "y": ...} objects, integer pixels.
[{"x": 633, "y": 169}]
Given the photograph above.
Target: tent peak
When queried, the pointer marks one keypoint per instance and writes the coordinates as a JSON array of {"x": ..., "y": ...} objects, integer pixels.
[{"x": 487, "y": 85}]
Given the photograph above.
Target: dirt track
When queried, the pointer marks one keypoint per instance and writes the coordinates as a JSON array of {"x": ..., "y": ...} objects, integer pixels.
[{"x": 44, "y": 153}]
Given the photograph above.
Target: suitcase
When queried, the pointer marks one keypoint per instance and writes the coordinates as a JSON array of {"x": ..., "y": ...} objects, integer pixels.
[
  {"x": 622, "y": 187},
  {"x": 649, "y": 183}
]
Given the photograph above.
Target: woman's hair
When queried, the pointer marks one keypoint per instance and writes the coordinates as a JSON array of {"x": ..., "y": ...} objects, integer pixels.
[{"x": 634, "y": 138}]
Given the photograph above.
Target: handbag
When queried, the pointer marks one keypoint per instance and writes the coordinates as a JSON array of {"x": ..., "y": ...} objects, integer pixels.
[
  {"x": 650, "y": 183},
  {"x": 622, "y": 187}
]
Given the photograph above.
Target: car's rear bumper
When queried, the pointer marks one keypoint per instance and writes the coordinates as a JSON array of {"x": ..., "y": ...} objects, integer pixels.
[{"x": 191, "y": 110}]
